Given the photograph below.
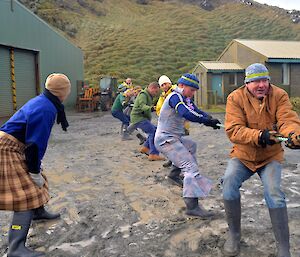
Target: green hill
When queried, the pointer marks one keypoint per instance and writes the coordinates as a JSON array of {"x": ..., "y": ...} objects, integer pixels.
[{"x": 143, "y": 41}]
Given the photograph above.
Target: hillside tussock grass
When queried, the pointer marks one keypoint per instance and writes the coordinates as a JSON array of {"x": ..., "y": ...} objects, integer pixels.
[{"x": 145, "y": 41}]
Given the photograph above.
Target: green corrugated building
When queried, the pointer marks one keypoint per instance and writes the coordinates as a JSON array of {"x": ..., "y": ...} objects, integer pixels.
[{"x": 29, "y": 51}]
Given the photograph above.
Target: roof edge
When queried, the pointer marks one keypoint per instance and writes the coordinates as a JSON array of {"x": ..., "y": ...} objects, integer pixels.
[
  {"x": 231, "y": 42},
  {"x": 45, "y": 23}
]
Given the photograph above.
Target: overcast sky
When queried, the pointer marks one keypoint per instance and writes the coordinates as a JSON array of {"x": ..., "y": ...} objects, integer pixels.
[{"x": 286, "y": 4}]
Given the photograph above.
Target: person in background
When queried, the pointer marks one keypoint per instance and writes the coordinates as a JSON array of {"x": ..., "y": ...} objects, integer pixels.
[
  {"x": 171, "y": 141},
  {"x": 167, "y": 88},
  {"x": 256, "y": 115},
  {"x": 130, "y": 96},
  {"x": 127, "y": 84},
  {"x": 129, "y": 104},
  {"x": 117, "y": 111},
  {"x": 140, "y": 117},
  {"x": 23, "y": 143}
]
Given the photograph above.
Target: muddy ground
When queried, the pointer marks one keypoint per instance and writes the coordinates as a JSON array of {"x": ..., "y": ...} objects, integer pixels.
[{"x": 114, "y": 202}]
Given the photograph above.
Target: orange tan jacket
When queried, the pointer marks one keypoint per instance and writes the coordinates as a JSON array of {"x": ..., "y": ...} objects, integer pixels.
[{"x": 246, "y": 117}]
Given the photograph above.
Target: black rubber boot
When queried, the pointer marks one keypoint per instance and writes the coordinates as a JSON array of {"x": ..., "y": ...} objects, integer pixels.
[
  {"x": 233, "y": 216},
  {"x": 174, "y": 176},
  {"x": 18, "y": 234},
  {"x": 131, "y": 128},
  {"x": 42, "y": 214},
  {"x": 167, "y": 164},
  {"x": 125, "y": 136},
  {"x": 279, "y": 219},
  {"x": 193, "y": 208},
  {"x": 141, "y": 138}
]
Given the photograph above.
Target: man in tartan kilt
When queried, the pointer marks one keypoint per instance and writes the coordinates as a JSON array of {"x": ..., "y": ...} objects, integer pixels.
[{"x": 23, "y": 143}]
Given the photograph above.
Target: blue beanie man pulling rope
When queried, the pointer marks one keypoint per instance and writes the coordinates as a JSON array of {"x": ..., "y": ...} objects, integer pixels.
[{"x": 171, "y": 141}]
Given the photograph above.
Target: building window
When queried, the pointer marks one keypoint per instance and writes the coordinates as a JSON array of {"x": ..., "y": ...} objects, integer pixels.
[
  {"x": 232, "y": 79},
  {"x": 285, "y": 73}
]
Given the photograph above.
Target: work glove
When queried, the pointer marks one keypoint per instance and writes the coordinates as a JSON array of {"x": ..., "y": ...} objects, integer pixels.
[
  {"x": 212, "y": 123},
  {"x": 37, "y": 178},
  {"x": 269, "y": 137},
  {"x": 153, "y": 108},
  {"x": 209, "y": 116},
  {"x": 293, "y": 141}
]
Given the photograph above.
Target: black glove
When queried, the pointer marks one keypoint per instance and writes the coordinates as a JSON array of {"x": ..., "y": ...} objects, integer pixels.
[
  {"x": 293, "y": 141},
  {"x": 212, "y": 123},
  {"x": 269, "y": 138},
  {"x": 209, "y": 116}
]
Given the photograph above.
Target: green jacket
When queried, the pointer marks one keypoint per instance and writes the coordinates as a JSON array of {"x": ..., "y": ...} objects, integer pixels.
[
  {"x": 118, "y": 103},
  {"x": 142, "y": 107}
]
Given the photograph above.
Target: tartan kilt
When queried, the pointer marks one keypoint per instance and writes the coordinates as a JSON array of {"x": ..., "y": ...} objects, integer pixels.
[{"x": 18, "y": 192}]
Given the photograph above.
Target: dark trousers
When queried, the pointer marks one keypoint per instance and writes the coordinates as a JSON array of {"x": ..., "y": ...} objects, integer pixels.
[
  {"x": 149, "y": 129},
  {"x": 125, "y": 119}
]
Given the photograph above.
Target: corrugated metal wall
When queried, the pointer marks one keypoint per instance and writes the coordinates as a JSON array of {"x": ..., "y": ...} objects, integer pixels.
[
  {"x": 21, "y": 29},
  {"x": 6, "y": 105},
  {"x": 17, "y": 76},
  {"x": 25, "y": 76}
]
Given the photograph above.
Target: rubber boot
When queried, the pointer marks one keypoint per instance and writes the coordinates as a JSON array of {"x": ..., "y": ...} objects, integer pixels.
[
  {"x": 41, "y": 214},
  {"x": 141, "y": 138},
  {"x": 233, "y": 216},
  {"x": 18, "y": 234},
  {"x": 193, "y": 208},
  {"x": 126, "y": 136},
  {"x": 279, "y": 220},
  {"x": 131, "y": 128},
  {"x": 174, "y": 176},
  {"x": 167, "y": 164},
  {"x": 124, "y": 127}
]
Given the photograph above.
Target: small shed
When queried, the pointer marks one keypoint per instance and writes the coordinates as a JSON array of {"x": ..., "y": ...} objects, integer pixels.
[
  {"x": 29, "y": 51},
  {"x": 222, "y": 76},
  {"x": 217, "y": 79}
]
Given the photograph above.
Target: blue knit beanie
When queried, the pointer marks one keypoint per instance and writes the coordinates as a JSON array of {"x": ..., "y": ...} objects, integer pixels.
[
  {"x": 122, "y": 88},
  {"x": 189, "y": 80},
  {"x": 256, "y": 71}
]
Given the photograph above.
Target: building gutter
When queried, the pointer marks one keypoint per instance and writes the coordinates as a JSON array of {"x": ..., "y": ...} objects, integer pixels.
[{"x": 283, "y": 60}]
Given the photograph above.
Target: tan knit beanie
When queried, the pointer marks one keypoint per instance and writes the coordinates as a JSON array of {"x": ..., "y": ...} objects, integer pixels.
[{"x": 59, "y": 85}]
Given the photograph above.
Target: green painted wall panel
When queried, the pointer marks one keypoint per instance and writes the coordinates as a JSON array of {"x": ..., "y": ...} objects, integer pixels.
[
  {"x": 6, "y": 106},
  {"x": 23, "y": 29},
  {"x": 25, "y": 81}
]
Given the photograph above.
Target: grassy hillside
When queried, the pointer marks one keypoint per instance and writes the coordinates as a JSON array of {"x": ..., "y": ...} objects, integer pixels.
[{"x": 126, "y": 39}]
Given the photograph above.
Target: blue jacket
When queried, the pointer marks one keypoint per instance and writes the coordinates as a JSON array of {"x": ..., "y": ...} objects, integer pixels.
[{"x": 33, "y": 123}]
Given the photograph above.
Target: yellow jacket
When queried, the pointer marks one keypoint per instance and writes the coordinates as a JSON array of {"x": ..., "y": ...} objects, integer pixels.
[{"x": 162, "y": 98}]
